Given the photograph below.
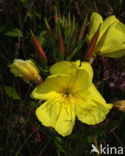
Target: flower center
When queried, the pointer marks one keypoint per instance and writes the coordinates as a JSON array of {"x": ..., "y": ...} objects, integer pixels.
[{"x": 67, "y": 92}]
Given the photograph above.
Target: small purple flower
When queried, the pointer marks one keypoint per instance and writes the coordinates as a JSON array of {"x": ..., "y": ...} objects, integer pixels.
[
  {"x": 112, "y": 84},
  {"x": 122, "y": 76},
  {"x": 106, "y": 73},
  {"x": 118, "y": 80},
  {"x": 122, "y": 85},
  {"x": 115, "y": 77}
]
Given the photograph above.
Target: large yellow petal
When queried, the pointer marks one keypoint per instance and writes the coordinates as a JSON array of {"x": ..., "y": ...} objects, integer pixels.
[
  {"x": 95, "y": 20},
  {"x": 51, "y": 87},
  {"x": 48, "y": 112},
  {"x": 64, "y": 67},
  {"x": 91, "y": 108},
  {"x": 88, "y": 68},
  {"x": 113, "y": 37},
  {"x": 114, "y": 52},
  {"x": 82, "y": 78},
  {"x": 66, "y": 120},
  {"x": 106, "y": 24}
]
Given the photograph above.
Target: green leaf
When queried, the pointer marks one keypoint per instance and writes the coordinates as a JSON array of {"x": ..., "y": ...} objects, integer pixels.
[
  {"x": 41, "y": 37},
  {"x": 12, "y": 93},
  {"x": 78, "y": 47},
  {"x": 14, "y": 33},
  {"x": 43, "y": 69},
  {"x": 34, "y": 105}
]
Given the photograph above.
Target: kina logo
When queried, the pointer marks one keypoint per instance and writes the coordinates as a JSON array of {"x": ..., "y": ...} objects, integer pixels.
[
  {"x": 94, "y": 149},
  {"x": 107, "y": 150}
]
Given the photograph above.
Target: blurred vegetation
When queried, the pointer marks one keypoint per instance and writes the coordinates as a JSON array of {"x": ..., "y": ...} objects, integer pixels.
[{"x": 20, "y": 132}]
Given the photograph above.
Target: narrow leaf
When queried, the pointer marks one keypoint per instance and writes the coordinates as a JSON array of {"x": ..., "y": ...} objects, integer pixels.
[
  {"x": 14, "y": 33},
  {"x": 12, "y": 93}
]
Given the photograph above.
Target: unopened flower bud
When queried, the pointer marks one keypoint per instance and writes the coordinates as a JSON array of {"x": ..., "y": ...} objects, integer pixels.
[
  {"x": 120, "y": 105},
  {"x": 25, "y": 69}
]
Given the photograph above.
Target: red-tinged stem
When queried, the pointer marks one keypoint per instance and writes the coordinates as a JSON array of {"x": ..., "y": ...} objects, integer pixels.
[
  {"x": 56, "y": 21},
  {"x": 82, "y": 31},
  {"x": 39, "y": 80},
  {"x": 56, "y": 17},
  {"x": 92, "y": 59},
  {"x": 90, "y": 49},
  {"x": 39, "y": 49},
  {"x": 38, "y": 135},
  {"x": 61, "y": 44},
  {"x": 95, "y": 141}
]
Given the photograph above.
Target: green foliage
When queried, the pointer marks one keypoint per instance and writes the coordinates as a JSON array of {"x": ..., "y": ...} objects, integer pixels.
[
  {"x": 66, "y": 27},
  {"x": 14, "y": 33},
  {"x": 76, "y": 49},
  {"x": 12, "y": 93},
  {"x": 19, "y": 127}
]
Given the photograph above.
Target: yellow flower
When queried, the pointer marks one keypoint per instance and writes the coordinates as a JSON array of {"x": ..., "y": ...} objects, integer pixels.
[
  {"x": 25, "y": 69},
  {"x": 111, "y": 41},
  {"x": 69, "y": 93}
]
